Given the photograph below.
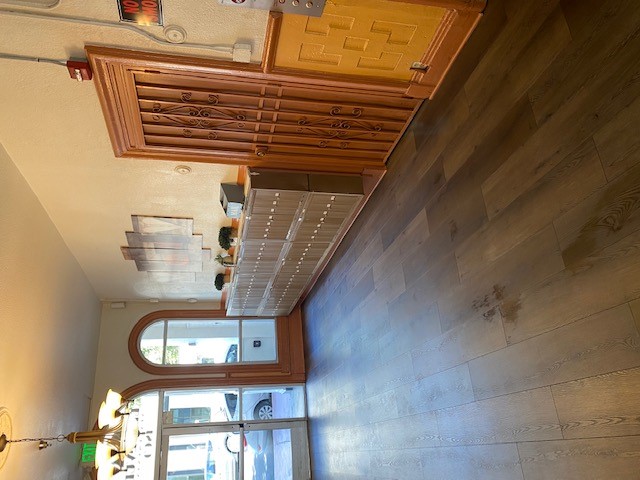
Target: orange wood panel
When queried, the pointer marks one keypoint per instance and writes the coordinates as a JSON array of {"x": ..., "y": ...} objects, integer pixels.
[{"x": 168, "y": 107}]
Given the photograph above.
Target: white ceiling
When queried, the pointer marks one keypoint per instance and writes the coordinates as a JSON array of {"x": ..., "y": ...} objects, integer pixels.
[{"x": 53, "y": 129}]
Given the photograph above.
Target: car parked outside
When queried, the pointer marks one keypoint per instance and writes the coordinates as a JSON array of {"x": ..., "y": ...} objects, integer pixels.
[{"x": 256, "y": 405}]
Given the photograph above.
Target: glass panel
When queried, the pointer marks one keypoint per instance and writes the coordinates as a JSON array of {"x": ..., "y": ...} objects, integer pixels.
[
  {"x": 193, "y": 342},
  {"x": 268, "y": 455},
  {"x": 266, "y": 403},
  {"x": 282, "y": 455},
  {"x": 140, "y": 464},
  {"x": 205, "y": 456},
  {"x": 259, "y": 341},
  {"x": 152, "y": 341},
  {"x": 200, "y": 406}
]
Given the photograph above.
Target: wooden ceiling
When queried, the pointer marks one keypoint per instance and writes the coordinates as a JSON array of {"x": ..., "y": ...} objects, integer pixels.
[
  {"x": 345, "y": 116},
  {"x": 377, "y": 38}
]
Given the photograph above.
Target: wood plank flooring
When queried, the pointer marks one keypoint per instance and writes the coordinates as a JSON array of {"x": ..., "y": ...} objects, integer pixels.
[{"x": 481, "y": 320}]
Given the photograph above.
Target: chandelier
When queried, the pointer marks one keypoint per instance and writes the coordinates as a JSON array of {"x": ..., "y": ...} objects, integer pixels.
[{"x": 115, "y": 437}]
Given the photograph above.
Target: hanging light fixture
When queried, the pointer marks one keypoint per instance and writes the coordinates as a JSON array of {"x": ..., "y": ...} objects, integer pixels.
[{"x": 115, "y": 437}]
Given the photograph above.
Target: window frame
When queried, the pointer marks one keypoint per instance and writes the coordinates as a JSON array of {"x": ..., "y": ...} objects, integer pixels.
[
  {"x": 223, "y": 370},
  {"x": 166, "y": 429},
  {"x": 241, "y": 327}
]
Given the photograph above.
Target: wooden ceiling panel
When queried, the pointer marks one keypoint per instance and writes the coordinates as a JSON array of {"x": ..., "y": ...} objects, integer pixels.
[
  {"x": 377, "y": 38},
  {"x": 158, "y": 109},
  {"x": 283, "y": 115}
]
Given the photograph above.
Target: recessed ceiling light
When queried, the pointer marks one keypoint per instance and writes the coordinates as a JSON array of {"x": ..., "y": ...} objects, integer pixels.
[
  {"x": 183, "y": 169},
  {"x": 192, "y": 300}
]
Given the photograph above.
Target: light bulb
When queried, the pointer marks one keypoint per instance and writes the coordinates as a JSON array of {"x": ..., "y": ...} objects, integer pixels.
[
  {"x": 114, "y": 399},
  {"x": 104, "y": 455},
  {"x": 107, "y": 416}
]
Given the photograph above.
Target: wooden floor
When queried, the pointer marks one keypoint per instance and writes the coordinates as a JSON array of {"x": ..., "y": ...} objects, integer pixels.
[{"x": 481, "y": 319}]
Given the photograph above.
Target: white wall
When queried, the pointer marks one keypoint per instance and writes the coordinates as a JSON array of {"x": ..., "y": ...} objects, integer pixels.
[
  {"x": 49, "y": 320},
  {"x": 94, "y": 194},
  {"x": 115, "y": 369}
]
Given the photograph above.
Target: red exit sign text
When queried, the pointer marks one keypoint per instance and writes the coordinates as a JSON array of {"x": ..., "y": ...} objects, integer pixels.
[{"x": 144, "y": 12}]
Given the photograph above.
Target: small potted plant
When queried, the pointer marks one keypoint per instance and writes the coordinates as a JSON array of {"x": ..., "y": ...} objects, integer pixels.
[
  {"x": 225, "y": 261},
  {"x": 227, "y": 236},
  {"x": 219, "y": 282}
]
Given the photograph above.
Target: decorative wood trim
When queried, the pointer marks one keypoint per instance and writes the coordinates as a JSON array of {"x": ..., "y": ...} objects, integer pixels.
[
  {"x": 221, "y": 68},
  {"x": 130, "y": 83},
  {"x": 242, "y": 173},
  {"x": 451, "y": 36},
  {"x": 289, "y": 344},
  {"x": 296, "y": 126},
  {"x": 296, "y": 334},
  {"x": 271, "y": 41},
  {"x": 389, "y": 86},
  {"x": 196, "y": 382},
  {"x": 460, "y": 5},
  {"x": 455, "y": 29}
]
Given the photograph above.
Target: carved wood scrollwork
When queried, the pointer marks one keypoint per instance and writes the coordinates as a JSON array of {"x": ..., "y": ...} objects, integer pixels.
[{"x": 209, "y": 115}]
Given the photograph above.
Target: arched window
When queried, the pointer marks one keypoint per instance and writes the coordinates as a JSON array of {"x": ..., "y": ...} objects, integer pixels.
[
  {"x": 171, "y": 341},
  {"x": 206, "y": 341}
]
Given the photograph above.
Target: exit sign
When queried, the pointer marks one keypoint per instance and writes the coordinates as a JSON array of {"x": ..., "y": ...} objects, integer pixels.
[
  {"x": 143, "y": 12},
  {"x": 89, "y": 453}
]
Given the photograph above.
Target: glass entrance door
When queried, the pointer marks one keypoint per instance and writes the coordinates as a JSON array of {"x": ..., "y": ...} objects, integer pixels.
[
  {"x": 277, "y": 450},
  {"x": 193, "y": 454},
  {"x": 255, "y": 433},
  {"x": 252, "y": 451}
]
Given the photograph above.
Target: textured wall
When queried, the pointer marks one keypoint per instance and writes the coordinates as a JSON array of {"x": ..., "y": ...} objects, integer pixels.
[
  {"x": 115, "y": 369},
  {"x": 49, "y": 317},
  {"x": 87, "y": 192}
]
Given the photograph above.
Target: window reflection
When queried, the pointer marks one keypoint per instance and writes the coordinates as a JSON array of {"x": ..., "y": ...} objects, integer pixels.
[
  {"x": 199, "y": 406},
  {"x": 193, "y": 448},
  {"x": 194, "y": 342},
  {"x": 209, "y": 341},
  {"x": 140, "y": 464}
]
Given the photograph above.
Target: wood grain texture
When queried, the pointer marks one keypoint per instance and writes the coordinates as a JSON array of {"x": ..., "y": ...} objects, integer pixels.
[
  {"x": 586, "y": 58},
  {"x": 618, "y": 142},
  {"x": 403, "y": 464},
  {"x": 477, "y": 462},
  {"x": 482, "y": 292},
  {"x": 572, "y": 180},
  {"x": 414, "y": 321},
  {"x": 524, "y": 416},
  {"x": 571, "y": 124},
  {"x": 442, "y": 132},
  {"x": 553, "y": 33},
  {"x": 602, "y": 343},
  {"x": 635, "y": 309},
  {"x": 490, "y": 151},
  {"x": 501, "y": 55},
  {"x": 477, "y": 336},
  {"x": 445, "y": 389},
  {"x": 501, "y": 256},
  {"x": 416, "y": 232},
  {"x": 415, "y": 431},
  {"x": 605, "y": 217},
  {"x": 553, "y": 303},
  {"x": 601, "y": 406},
  {"x": 362, "y": 265},
  {"x": 593, "y": 459}
]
